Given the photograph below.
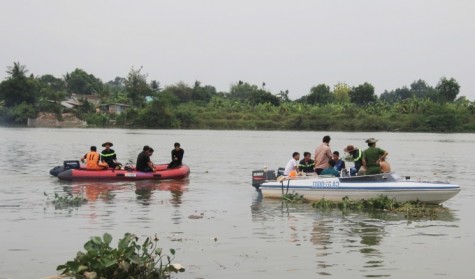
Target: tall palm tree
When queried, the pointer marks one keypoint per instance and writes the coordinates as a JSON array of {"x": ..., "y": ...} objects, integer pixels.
[{"x": 17, "y": 71}]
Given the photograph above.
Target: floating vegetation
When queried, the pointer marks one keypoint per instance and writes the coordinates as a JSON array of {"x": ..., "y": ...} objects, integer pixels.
[
  {"x": 67, "y": 201},
  {"x": 293, "y": 198},
  {"x": 129, "y": 260},
  {"x": 411, "y": 210}
]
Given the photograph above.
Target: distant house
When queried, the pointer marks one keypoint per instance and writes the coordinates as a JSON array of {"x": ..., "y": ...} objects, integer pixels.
[
  {"x": 93, "y": 99},
  {"x": 76, "y": 100},
  {"x": 71, "y": 103},
  {"x": 116, "y": 108}
]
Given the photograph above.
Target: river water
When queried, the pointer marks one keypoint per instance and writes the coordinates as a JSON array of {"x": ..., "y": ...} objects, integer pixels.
[{"x": 215, "y": 220}]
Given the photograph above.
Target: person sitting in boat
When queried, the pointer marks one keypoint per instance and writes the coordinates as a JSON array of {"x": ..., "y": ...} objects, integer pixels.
[
  {"x": 373, "y": 156},
  {"x": 150, "y": 153},
  {"x": 93, "y": 160},
  {"x": 307, "y": 165},
  {"x": 331, "y": 170},
  {"x": 177, "y": 156},
  {"x": 143, "y": 160},
  {"x": 339, "y": 163},
  {"x": 108, "y": 155},
  {"x": 355, "y": 155},
  {"x": 291, "y": 169}
]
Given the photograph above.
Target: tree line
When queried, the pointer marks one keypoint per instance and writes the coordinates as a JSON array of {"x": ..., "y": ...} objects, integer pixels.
[{"x": 417, "y": 107}]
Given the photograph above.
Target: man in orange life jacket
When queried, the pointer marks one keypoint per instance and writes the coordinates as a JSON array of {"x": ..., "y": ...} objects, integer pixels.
[{"x": 93, "y": 160}]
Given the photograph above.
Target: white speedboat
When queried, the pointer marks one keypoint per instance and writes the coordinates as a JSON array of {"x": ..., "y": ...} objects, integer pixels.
[{"x": 315, "y": 187}]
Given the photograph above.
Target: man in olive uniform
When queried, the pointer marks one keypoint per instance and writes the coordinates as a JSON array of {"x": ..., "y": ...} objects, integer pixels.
[{"x": 373, "y": 156}]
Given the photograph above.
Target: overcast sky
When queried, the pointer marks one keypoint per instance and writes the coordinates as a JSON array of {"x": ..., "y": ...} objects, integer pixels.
[{"x": 292, "y": 45}]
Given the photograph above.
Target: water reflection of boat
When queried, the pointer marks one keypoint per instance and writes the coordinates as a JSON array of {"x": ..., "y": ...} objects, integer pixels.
[
  {"x": 95, "y": 190},
  {"x": 355, "y": 187},
  {"x": 144, "y": 189},
  {"x": 163, "y": 185}
]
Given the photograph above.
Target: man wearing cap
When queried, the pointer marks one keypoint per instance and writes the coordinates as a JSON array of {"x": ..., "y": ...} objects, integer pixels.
[
  {"x": 108, "y": 156},
  {"x": 373, "y": 156},
  {"x": 356, "y": 155},
  {"x": 323, "y": 154}
]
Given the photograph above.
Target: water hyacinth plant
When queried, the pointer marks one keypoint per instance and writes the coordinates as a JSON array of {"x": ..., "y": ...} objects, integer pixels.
[
  {"x": 293, "y": 198},
  {"x": 411, "y": 210},
  {"x": 67, "y": 201},
  {"x": 129, "y": 260}
]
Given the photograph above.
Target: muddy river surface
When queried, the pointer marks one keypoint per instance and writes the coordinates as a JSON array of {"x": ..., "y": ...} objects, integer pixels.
[{"x": 215, "y": 220}]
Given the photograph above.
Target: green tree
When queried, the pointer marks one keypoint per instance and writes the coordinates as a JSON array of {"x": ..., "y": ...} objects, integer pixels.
[
  {"x": 283, "y": 95},
  {"x": 156, "y": 114},
  {"x": 420, "y": 89},
  {"x": 319, "y": 94},
  {"x": 396, "y": 95},
  {"x": 52, "y": 91},
  {"x": 363, "y": 94},
  {"x": 341, "y": 93},
  {"x": 117, "y": 90},
  {"x": 448, "y": 89},
  {"x": 80, "y": 82},
  {"x": 137, "y": 87},
  {"x": 18, "y": 88},
  {"x": 252, "y": 94},
  {"x": 181, "y": 90},
  {"x": 203, "y": 93}
]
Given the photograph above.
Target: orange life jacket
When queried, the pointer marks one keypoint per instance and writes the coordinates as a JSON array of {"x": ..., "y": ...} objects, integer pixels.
[{"x": 93, "y": 163}]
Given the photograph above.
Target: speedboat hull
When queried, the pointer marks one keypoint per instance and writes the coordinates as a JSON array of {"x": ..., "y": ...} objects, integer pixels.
[
  {"x": 161, "y": 173},
  {"x": 357, "y": 188}
]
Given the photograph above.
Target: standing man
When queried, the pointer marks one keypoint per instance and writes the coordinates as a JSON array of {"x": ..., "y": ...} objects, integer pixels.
[
  {"x": 373, "y": 156},
  {"x": 323, "y": 154}
]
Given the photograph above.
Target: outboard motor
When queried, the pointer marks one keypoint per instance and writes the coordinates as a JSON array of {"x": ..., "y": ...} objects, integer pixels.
[
  {"x": 260, "y": 176},
  {"x": 71, "y": 164},
  {"x": 67, "y": 165}
]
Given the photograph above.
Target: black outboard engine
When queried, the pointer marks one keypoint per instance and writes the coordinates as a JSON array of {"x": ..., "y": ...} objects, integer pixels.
[
  {"x": 260, "y": 176},
  {"x": 67, "y": 165}
]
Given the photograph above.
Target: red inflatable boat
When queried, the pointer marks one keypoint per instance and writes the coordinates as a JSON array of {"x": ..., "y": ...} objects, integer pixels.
[{"x": 160, "y": 173}]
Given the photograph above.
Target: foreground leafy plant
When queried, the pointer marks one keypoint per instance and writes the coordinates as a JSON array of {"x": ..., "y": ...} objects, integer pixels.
[
  {"x": 293, "y": 198},
  {"x": 128, "y": 260},
  {"x": 412, "y": 210},
  {"x": 62, "y": 202}
]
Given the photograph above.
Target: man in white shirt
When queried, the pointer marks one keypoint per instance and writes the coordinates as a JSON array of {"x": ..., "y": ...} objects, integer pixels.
[{"x": 293, "y": 164}]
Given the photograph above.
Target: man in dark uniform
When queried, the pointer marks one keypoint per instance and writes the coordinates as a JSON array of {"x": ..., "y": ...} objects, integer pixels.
[
  {"x": 143, "y": 160},
  {"x": 307, "y": 165},
  {"x": 356, "y": 155},
  {"x": 108, "y": 155},
  {"x": 177, "y": 156}
]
